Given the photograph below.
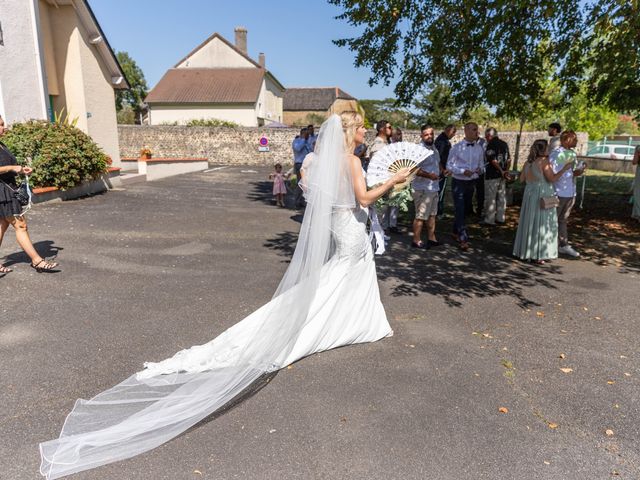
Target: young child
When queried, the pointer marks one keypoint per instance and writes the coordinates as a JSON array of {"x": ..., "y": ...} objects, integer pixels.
[
  {"x": 565, "y": 187},
  {"x": 279, "y": 188}
]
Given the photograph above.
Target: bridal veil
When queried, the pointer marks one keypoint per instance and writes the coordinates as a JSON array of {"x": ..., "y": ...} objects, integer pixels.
[{"x": 166, "y": 398}]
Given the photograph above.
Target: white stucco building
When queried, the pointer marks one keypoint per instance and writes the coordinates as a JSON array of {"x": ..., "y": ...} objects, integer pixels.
[
  {"x": 217, "y": 80},
  {"x": 54, "y": 57}
]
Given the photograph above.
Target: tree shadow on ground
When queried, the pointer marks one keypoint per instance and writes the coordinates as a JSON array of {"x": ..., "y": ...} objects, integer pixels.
[
  {"x": 46, "y": 248},
  {"x": 284, "y": 243},
  {"x": 603, "y": 233},
  {"x": 262, "y": 191},
  {"x": 487, "y": 270}
]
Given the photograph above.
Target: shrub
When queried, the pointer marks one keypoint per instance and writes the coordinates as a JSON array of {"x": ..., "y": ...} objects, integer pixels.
[
  {"x": 61, "y": 155},
  {"x": 210, "y": 122}
]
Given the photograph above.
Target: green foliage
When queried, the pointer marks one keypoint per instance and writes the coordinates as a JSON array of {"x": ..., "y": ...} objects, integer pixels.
[
  {"x": 610, "y": 54},
  {"x": 401, "y": 199},
  {"x": 596, "y": 120},
  {"x": 627, "y": 126},
  {"x": 126, "y": 116},
  {"x": 63, "y": 117},
  {"x": 436, "y": 107},
  {"x": 210, "y": 122},
  {"x": 389, "y": 110},
  {"x": 134, "y": 97},
  {"x": 61, "y": 155},
  {"x": 315, "y": 119},
  {"x": 525, "y": 60},
  {"x": 485, "y": 50}
]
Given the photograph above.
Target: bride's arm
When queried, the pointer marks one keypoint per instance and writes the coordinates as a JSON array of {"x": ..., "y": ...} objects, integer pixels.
[{"x": 367, "y": 197}]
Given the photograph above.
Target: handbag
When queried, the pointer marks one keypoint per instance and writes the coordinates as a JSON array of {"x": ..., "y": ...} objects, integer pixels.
[
  {"x": 549, "y": 202},
  {"x": 22, "y": 193}
]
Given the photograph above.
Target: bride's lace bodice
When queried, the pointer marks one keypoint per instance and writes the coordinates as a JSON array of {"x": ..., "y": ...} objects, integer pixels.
[{"x": 349, "y": 228}]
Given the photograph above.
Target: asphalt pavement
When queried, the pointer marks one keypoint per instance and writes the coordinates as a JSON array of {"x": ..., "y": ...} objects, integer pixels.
[{"x": 498, "y": 369}]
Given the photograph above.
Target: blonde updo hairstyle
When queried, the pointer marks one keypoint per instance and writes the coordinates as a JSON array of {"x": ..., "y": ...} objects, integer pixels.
[{"x": 351, "y": 121}]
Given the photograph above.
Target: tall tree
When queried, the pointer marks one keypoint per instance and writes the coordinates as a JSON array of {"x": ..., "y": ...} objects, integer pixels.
[
  {"x": 612, "y": 59},
  {"x": 134, "y": 97},
  {"x": 436, "y": 107},
  {"x": 389, "y": 110},
  {"x": 583, "y": 116},
  {"x": 488, "y": 51},
  {"x": 492, "y": 51}
]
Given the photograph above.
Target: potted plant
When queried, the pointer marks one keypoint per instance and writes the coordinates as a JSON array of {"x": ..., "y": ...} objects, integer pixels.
[{"x": 145, "y": 153}]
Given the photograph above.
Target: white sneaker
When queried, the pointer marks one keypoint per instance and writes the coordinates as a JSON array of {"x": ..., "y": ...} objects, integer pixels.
[{"x": 568, "y": 250}]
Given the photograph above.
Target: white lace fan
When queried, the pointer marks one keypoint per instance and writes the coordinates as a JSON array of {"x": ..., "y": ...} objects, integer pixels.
[{"x": 396, "y": 156}]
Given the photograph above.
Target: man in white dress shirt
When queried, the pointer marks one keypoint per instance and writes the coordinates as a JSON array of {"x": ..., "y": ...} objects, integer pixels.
[{"x": 466, "y": 162}]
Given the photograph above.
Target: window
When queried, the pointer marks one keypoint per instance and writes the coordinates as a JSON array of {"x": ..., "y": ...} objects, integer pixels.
[
  {"x": 623, "y": 150},
  {"x": 597, "y": 150}
]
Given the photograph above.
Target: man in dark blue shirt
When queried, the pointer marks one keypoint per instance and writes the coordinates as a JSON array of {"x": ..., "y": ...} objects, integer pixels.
[{"x": 443, "y": 145}]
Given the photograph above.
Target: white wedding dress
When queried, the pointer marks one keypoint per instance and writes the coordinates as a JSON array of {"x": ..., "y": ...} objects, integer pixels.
[{"x": 328, "y": 298}]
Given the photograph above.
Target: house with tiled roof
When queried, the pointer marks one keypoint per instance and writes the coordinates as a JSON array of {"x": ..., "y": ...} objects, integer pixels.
[
  {"x": 308, "y": 105},
  {"x": 218, "y": 80},
  {"x": 55, "y": 59}
]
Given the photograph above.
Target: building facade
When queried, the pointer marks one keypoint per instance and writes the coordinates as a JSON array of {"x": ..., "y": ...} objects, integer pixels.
[
  {"x": 217, "y": 81},
  {"x": 55, "y": 59},
  {"x": 308, "y": 105}
]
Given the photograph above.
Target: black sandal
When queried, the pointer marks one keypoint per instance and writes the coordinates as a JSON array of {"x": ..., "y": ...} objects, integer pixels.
[{"x": 46, "y": 268}]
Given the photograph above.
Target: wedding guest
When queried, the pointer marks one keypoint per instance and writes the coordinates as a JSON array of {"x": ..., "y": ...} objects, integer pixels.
[
  {"x": 311, "y": 141},
  {"x": 443, "y": 145},
  {"x": 565, "y": 186},
  {"x": 396, "y": 136},
  {"x": 279, "y": 188},
  {"x": 361, "y": 153},
  {"x": 554, "y": 131},
  {"x": 389, "y": 215},
  {"x": 11, "y": 210},
  {"x": 635, "y": 213},
  {"x": 383, "y": 136},
  {"x": 498, "y": 162},
  {"x": 300, "y": 146},
  {"x": 466, "y": 159},
  {"x": 537, "y": 235},
  {"x": 425, "y": 192},
  {"x": 479, "y": 184}
]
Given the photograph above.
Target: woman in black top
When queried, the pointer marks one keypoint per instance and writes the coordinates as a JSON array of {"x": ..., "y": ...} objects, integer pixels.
[{"x": 11, "y": 210}]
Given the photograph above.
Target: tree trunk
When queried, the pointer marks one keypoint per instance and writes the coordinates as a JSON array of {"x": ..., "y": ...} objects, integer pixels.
[{"x": 517, "y": 152}]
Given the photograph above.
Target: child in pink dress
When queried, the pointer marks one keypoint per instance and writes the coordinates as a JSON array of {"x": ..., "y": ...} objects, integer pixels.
[{"x": 279, "y": 188}]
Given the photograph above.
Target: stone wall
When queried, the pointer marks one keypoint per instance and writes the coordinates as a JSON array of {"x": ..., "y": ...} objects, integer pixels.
[{"x": 239, "y": 146}]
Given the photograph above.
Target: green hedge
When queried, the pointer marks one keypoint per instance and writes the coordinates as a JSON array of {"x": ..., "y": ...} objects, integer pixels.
[{"x": 61, "y": 155}]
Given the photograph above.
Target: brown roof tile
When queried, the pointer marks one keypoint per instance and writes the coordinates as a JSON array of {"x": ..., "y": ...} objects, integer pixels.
[
  {"x": 313, "y": 98},
  {"x": 208, "y": 85}
]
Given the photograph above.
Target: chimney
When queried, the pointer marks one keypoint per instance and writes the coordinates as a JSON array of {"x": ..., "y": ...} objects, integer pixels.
[
  {"x": 241, "y": 39},
  {"x": 261, "y": 60}
]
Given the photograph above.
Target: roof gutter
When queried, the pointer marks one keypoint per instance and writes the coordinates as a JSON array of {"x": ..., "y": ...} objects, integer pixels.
[{"x": 98, "y": 39}]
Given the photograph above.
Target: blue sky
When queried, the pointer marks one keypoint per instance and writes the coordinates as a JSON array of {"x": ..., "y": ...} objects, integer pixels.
[{"x": 295, "y": 37}]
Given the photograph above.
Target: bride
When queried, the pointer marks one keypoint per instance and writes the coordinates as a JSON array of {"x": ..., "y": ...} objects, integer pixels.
[{"x": 327, "y": 298}]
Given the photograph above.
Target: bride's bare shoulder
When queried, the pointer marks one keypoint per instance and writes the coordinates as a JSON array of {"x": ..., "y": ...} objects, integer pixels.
[{"x": 353, "y": 159}]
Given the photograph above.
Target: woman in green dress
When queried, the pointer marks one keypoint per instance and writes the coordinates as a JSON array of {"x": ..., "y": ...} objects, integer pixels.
[
  {"x": 537, "y": 236},
  {"x": 635, "y": 213}
]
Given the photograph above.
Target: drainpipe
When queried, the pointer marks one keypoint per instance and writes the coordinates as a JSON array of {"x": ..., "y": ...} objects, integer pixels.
[{"x": 44, "y": 93}]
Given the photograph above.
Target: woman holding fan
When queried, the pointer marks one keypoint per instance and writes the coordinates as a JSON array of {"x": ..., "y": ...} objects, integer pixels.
[{"x": 327, "y": 298}]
